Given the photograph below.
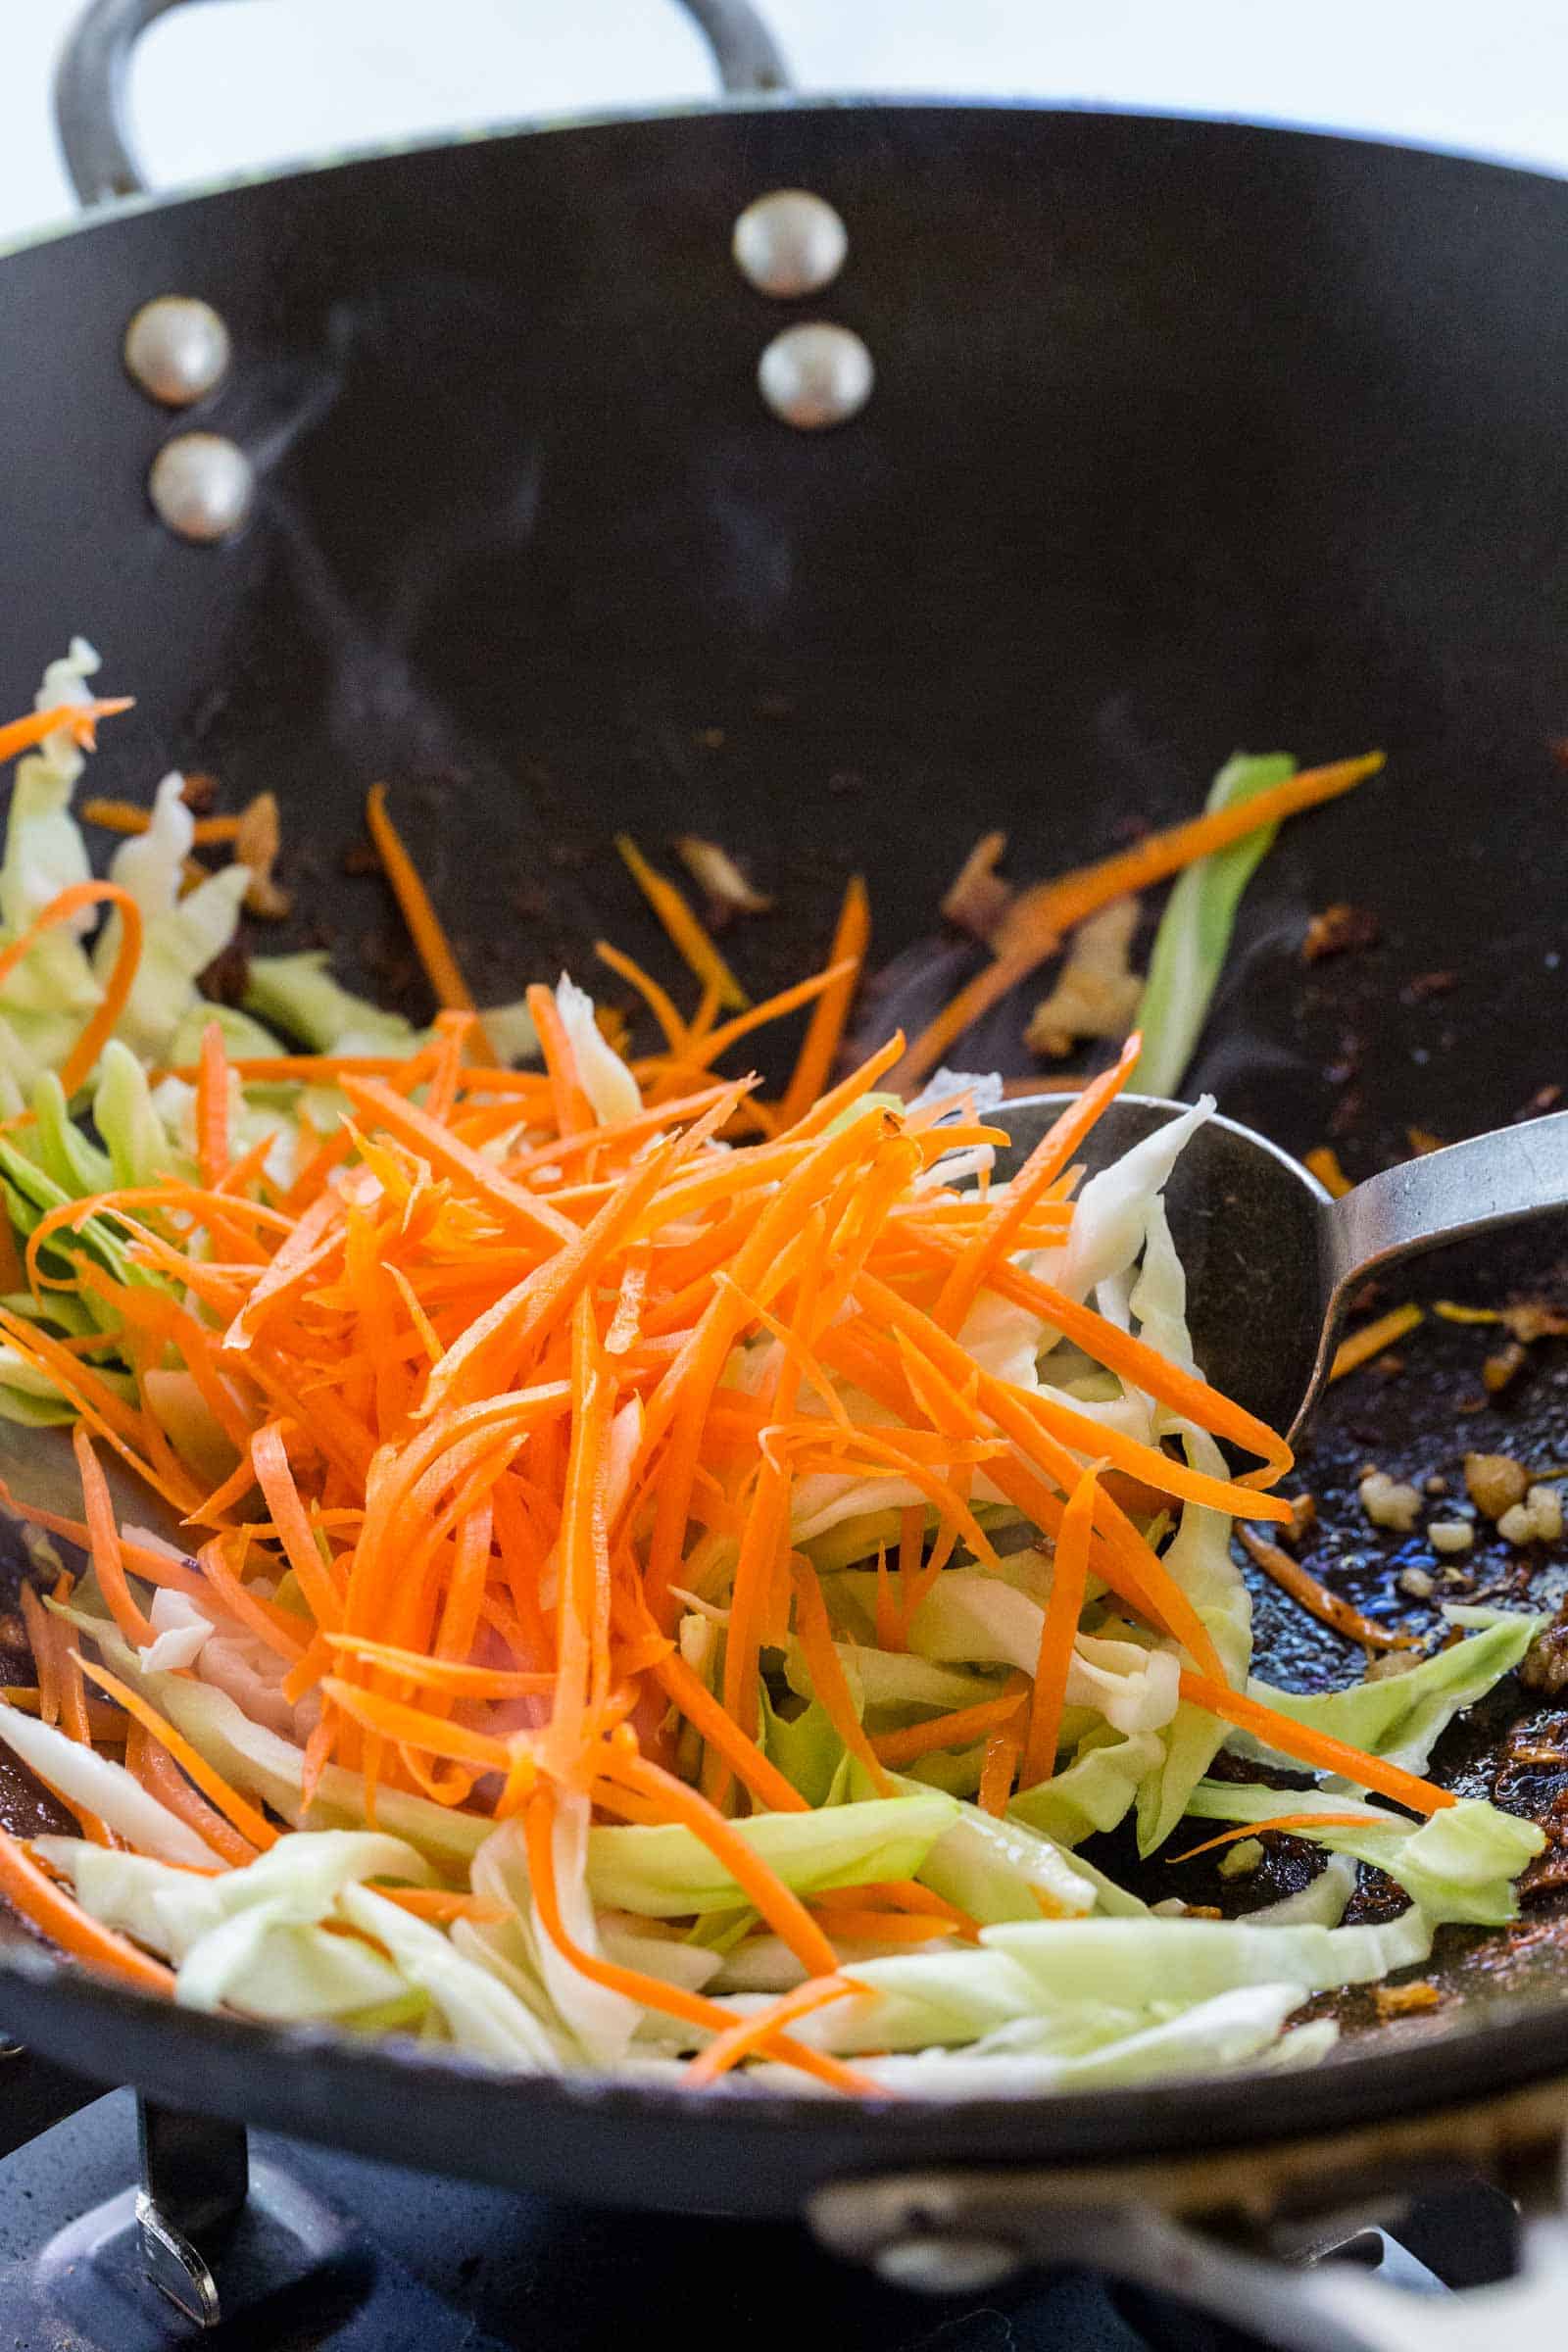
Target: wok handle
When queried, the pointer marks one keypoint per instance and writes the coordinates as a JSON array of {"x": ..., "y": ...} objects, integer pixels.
[
  {"x": 967, "y": 2233},
  {"x": 92, "y": 81}
]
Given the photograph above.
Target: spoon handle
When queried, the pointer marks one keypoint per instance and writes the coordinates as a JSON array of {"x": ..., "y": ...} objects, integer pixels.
[{"x": 1445, "y": 1196}]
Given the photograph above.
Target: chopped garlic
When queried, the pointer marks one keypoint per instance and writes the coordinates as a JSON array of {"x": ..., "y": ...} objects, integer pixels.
[
  {"x": 1418, "y": 1583},
  {"x": 1535, "y": 1520},
  {"x": 1451, "y": 1534},
  {"x": 1243, "y": 1858},
  {"x": 1387, "y": 1503},
  {"x": 1496, "y": 1481}
]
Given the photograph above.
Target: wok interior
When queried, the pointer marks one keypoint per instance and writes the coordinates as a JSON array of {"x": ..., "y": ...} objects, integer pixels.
[{"x": 1160, "y": 462}]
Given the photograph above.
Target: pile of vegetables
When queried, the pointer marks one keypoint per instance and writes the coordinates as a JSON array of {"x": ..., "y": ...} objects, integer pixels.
[{"x": 667, "y": 1583}]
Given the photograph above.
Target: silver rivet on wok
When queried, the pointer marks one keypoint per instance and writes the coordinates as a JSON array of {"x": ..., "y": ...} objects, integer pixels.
[
  {"x": 200, "y": 486},
  {"x": 789, "y": 243},
  {"x": 177, "y": 350},
  {"x": 815, "y": 376}
]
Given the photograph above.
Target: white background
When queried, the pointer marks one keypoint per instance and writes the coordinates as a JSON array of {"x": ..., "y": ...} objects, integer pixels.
[{"x": 252, "y": 81}]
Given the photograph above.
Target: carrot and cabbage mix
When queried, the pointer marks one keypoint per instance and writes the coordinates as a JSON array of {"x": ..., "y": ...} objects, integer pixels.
[{"x": 667, "y": 1581}]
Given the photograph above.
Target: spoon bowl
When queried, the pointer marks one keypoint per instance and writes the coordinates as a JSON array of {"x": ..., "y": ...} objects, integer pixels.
[{"x": 1271, "y": 1258}]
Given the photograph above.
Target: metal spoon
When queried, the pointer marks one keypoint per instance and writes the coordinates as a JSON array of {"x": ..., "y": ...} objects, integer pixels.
[{"x": 1271, "y": 1258}]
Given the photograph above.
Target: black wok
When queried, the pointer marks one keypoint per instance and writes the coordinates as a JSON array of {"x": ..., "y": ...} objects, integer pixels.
[{"x": 1184, "y": 435}]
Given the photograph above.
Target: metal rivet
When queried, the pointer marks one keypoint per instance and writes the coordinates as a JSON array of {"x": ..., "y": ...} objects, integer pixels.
[
  {"x": 177, "y": 350},
  {"x": 789, "y": 243},
  {"x": 201, "y": 486},
  {"x": 815, "y": 376}
]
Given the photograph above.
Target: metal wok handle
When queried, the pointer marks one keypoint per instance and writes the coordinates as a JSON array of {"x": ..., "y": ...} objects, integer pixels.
[{"x": 92, "y": 81}]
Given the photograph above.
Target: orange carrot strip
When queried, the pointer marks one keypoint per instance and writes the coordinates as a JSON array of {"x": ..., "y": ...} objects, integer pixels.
[
  {"x": 81, "y": 719},
  {"x": 212, "y": 1106},
  {"x": 652, "y": 1992},
  {"x": 1000, "y": 1764},
  {"x": 442, "y": 1903},
  {"x": 41, "y": 1639},
  {"x": 236, "y": 1809},
  {"x": 431, "y": 1734},
  {"x": 745, "y": 1758},
  {"x": 1059, "y": 1630},
  {"x": 657, "y": 999},
  {"x": 1287, "y": 1821},
  {"x": 828, "y": 1678},
  {"x": 1040, "y": 1171},
  {"x": 276, "y": 1478},
  {"x": 1329, "y": 1608},
  {"x": 560, "y": 1062},
  {"x": 960, "y": 1729},
  {"x": 1312, "y": 1747},
  {"x": 108, "y": 1560},
  {"x": 129, "y": 816},
  {"x": 430, "y": 942},
  {"x": 450, "y": 1674},
  {"x": 104, "y": 1724},
  {"x": 1372, "y": 1338},
  {"x": 761, "y": 1885},
  {"x": 1034, "y": 924},
  {"x": 281, "y": 1630},
  {"x": 61, "y": 909},
  {"x": 162, "y": 1777},
  {"x": 686, "y": 934},
  {"x": 852, "y": 937},
  {"x": 869, "y": 1926},
  {"x": 752, "y": 2034},
  {"x": 447, "y": 1156},
  {"x": 1323, "y": 1162},
  {"x": 772, "y": 1009},
  {"x": 58, "y": 1916}
]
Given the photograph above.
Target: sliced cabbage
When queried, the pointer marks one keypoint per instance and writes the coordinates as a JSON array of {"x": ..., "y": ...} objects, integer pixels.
[
  {"x": 1195, "y": 931},
  {"x": 95, "y": 1783},
  {"x": 666, "y": 1870},
  {"x": 1461, "y": 1864},
  {"x": 1110, "y": 1218},
  {"x": 298, "y": 995},
  {"x": 1095, "y": 1790},
  {"x": 1401, "y": 1716},
  {"x": 480, "y": 2013},
  {"x": 603, "y": 1077},
  {"x": 1199, "y": 1558},
  {"x": 1137, "y": 1962},
  {"x": 178, "y": 946},
  {"x": 139, "y": 1145}
]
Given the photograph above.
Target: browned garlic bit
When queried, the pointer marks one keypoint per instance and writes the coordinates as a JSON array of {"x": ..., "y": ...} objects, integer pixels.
[
  {"x": 1405, "y": 2000},
  {"x": 1095, "y": 994},
  {"x": 255, "y": 843},
  {"x": 1496, "y": 1481},
  {"x": 1389, "y": 1663},
  {"x": 716, "y": 874},
  {"x": 978, "y": 898},
  {"x": 1389, "y": 1501},
  {"x": 1419, "y": 1583},
  {"x": 1451, "y": 1534}
]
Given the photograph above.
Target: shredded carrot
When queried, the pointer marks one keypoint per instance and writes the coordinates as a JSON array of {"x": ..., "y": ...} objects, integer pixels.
[
  {"x": 654, "y": 1992},
  {"x": 752, "y": 2034},
  {"x": 1323, "y": 1162},
  {"x": 104, "y": 1725},
  {"x": 212, "y": 1106},
  {"x": 80, "y": 720},
  {"x": 108, "y": 1560},
  {"x": 63, "y": 909},
  {"x": 828, "y": 1678},
  {"x": 430, "y": 942},
  {"x": 999, "y": 1767},
  {"x": 252, "y": 1825},
  {"x": 1373, "y": 1338},
  {"x": 1289, "y": 1821},
  {"x": 686, "y": 934},
  {"x": 1034, "y": 922},
  {"x": 1329, "y": 1608},
  {"x": 129, "y": 816},
  {"x": 1317, "y": 1750},
  {"x": 1059, "y": 1629},
  {"x": 162, "y": 1777},
  {"x": 42, "y": 1642},
  {"x": 58, "y": 1916},
  {"x": 851, "y": 940},
  {"x": 960, "y": 1729}
]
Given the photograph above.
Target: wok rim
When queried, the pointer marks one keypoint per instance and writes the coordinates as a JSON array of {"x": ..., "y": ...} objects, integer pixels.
[{"x": 759, "y": 102}]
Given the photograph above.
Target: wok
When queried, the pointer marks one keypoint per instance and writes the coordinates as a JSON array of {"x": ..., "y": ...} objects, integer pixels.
[{"x": 1184, "y": 434}]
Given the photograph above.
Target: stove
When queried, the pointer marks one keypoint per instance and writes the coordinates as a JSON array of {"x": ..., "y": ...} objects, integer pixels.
[{"x": 104, "y": 2203}]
